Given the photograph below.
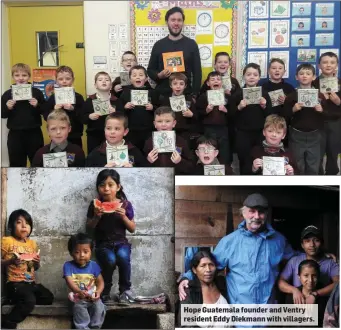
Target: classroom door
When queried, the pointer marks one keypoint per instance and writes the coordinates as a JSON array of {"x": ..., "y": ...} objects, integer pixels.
[{"x": 67, "y": 21}]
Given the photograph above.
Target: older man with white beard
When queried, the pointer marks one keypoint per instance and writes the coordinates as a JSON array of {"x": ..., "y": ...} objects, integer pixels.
[{"x": 251, "y": 255}]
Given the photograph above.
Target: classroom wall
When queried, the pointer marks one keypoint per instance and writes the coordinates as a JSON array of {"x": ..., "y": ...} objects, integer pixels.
[
  {"x": 97, "y": 16},
  {"x": 58, "y": 200},
  {"x": 5, "y": 78}
]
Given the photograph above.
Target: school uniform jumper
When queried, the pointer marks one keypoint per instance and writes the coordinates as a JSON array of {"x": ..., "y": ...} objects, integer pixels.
[
  {"x": 75, "y": 136},
  {"x": 95, "y": 128},
  {"x": 23, "y": 121},
  {"x": 304, "y": 135},
  {"x": 331, "y": 131}
]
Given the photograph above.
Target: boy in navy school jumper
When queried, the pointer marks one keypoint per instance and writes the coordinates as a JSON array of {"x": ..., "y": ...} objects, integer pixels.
[
  {"x": 116, "y": 128},
  {"x": 275, "y": 129},
  {"x": 331, "y": 133},
  {"x": 214, "y": 118},
  {"x": 65, "y": 78},
  {"x": 140, "y": 117},
  {"x": 222, "y": 63},
  {"x": 184, "y": 119},
  {"x": 58, "y": 128},
  {"x": 207, "y": 153},
  {"x": 94, "y": 121},
  {"x": 249, "y": 119},
  {"x": 306, "y": 124},
  {"x": 83, "y": 277},
  {"x": 23, "y": 120},
  {"x": 181, "y": 159}
]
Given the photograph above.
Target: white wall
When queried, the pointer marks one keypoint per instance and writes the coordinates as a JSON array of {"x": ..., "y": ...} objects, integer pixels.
[
  {"x": 5, "y": 73},
  {"x": 97, "y": 16}
]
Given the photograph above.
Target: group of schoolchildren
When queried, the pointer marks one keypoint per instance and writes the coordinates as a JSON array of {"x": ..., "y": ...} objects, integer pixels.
[
  {"x": 89, "y": 283},
  {"x": 275, "y": 128}
]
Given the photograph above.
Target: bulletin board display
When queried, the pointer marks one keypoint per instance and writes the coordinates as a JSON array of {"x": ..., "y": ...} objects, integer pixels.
[
  {"x": 295, "y": 31},
  {"x": 209, "y": 23}
]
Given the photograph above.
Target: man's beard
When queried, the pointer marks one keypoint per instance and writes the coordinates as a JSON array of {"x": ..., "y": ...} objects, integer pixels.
[
  {"x": 174, "y": 34},
  {"x": 255, "y": 224}
]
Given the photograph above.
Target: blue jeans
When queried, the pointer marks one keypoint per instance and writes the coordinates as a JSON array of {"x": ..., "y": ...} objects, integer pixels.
[
  {"x": 88, "y": 315},
  {"x": 108, "y": 256}
]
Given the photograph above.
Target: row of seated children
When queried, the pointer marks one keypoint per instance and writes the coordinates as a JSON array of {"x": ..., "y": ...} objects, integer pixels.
[
  {"x": 233, "y": 123},
  {"x": 89, "y": 283}
]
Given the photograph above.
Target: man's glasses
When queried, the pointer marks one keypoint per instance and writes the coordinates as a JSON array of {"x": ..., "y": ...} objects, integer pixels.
[{"x": 206, "y": 150}]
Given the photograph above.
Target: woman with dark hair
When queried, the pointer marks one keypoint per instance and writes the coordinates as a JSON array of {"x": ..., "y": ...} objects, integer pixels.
[{"x": 206, "y": 287}]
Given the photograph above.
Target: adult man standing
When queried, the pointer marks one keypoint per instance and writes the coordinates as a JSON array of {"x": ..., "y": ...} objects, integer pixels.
[
  {"x": 251, "y": 254},
  {"x": 175, "y": 42}
]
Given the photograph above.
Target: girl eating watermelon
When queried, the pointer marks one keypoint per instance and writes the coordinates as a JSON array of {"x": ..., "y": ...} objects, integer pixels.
[
  {"x": 110, "y": 216},
  {"x": 20, "y": 257}
]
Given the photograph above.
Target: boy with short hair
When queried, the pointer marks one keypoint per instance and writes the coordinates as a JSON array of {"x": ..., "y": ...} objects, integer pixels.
[
  {"x": 306, "y": 124},
  {"x": 274, "y": 131},
  {"x": 331, "y": 132},
  {"x": 116, "y": 128},
  {"x": 140, "y": 117},
  {"x": 184, "y": 119},
  {"x": 207, "y": 153},
  {"x": 249, "y": 119},
  {"x": 23, "y": 120},
  {"x": 276, "y": 82},
  {"x": 94, "y": 121},
  {"x": 214, "y": 118},
  {"x": 84, "y": 279},
  {"x": 181, "y": 158},
  {"x": 58, "y": 129}
]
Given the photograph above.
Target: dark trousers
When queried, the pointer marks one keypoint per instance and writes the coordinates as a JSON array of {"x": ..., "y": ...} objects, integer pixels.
[
  {"x": 245, "y": 141},
  {"x": 306, "y": 149},
  {"x": 22, "y": 144},
  {"x": 139, "y": 137},
  {"x": 221, "y": 135},
  {"x": 24, "y": 296},
  {"x": 110, "y": 255},
  {"x": 76, "y": 140},
  {"x": 94, "y": 139},
  {"x": 331, "y": 145}
]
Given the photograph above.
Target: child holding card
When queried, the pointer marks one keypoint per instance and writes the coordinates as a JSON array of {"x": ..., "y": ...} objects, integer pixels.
[
  {"x": 249, "y": 118},
  {"x": 116, "y": 128},
  {"x": 20, "y": 258},
  {"x": 207, "y": 153},
  {"x": 276, "y": 84},
  {"x": 330, "y": 101},
  {"x": 73, "y": 108},
  {"x": 23, "y": 118},
  {"x": 213, "y": 114},
  {"x": 274, "y": 131},
  {"x": 181, "y": 104},
  {"x": 180, "y": 157},
  {"x": 306, "y": 120},
  {"x": 58, "y": 129},
  {"x": 97, "y": 107},
  {"x": 138, "y": 102}
]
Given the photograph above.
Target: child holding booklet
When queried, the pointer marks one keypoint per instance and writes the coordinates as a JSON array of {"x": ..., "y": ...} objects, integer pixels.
[
  {"x": 214, "y": 116},
  {"x": 274, "y": 131},
  {"x": 249, "y": 117},
  {"x": 93, "y": 119},
  {"x": 20, "y": 257},
  {"x": 58, "y": 129},
  {"x": 306, "y": 122},
  {"x": 23, "y": 119},
  {"x": 65, "y": 78},
  {"x": 207, "y": 153},
  {"x": 116, "y": 128},
  {"x": 139, "y": 109},
  {"x": 180, "y": 158},
  {"x": 330, "y": 101},
  {"x": 185, "y": 118}
]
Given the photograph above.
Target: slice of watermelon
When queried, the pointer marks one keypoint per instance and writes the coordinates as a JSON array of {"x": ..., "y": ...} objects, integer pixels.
[
  {"x": 108, "y": 207},
  {"x": 26, "y": 256}
]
